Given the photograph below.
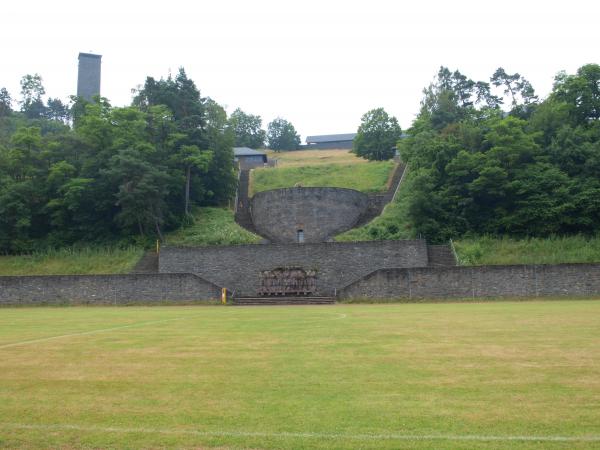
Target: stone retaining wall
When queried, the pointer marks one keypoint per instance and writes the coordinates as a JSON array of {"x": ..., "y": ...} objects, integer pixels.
[
  {"x": 478, "y": 282},
  {"x": 320, "y": 212},
  {"x": 106, "y": 289},
  {"x": 337, "y": 263}
]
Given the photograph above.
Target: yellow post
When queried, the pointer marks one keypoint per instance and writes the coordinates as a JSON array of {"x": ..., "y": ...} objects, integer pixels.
[
  {"x": 157, "y": 246},
  {"x": 224, "y": 296}
]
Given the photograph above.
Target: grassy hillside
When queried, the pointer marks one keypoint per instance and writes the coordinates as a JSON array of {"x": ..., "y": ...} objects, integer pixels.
[
  {"x": 553, "y": 250},
  {"x": 393, "y": 223},
  {"x": 72, "y": 261},
  {"x": 211, "y": 226},
  {"x": 314, "y": 158},
  {"x": 370, "y": 177},
  {"x": 509, "y": 375}
]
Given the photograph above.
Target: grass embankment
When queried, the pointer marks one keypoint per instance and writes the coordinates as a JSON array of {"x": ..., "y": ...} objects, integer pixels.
[
  {"x": 303, "y": 158},
  {"x": 552, "y": 250},
  {"x": 435, "y": 376},
  {"x": 370, "y": 177},
  {"x": 211, "y": 226},
  {"x": 69, "y": 261},
  {"x": 393, "y": 223}
]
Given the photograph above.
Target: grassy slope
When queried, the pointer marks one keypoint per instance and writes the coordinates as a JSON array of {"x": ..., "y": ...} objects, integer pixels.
[
  {"x": 69, "y": 261},
  {"x": 334, "y": 168},
  {"x": 553, "y": 250},
  {"x": 357, "y": 373},
  {"x": 393, "y": 223},
  {"x": 314, "y": 158},
  {"x": 212, "y": 226}
]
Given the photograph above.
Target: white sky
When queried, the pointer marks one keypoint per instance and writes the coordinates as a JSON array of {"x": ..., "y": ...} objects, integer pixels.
[{"x": 320, "y": 64}]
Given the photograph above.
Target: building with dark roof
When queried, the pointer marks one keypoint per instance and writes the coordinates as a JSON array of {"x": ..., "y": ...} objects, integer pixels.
[
  {"x": 248, "y": 158},
  {"x": 330, "y": 141}
]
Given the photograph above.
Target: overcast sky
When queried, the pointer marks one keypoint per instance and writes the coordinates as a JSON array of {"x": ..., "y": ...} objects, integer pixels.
[{"x": 320, "y": 64}]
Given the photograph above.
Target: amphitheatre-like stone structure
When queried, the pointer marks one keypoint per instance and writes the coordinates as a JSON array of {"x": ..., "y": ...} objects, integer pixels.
[
  {"x": 306, "y": 214},
  {"x": 298, "y": 225},
  {"x": 306, "y": 267}
]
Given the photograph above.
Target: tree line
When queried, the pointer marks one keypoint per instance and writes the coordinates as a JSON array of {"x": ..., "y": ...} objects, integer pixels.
[{"x": 530, "y": 169}]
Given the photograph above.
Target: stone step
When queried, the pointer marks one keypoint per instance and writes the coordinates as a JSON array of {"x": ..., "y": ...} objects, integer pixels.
[
  {"x": 148, "y": 263},
  {"x": 255, "y": 301},
  {"x": 440, "y": 255}
]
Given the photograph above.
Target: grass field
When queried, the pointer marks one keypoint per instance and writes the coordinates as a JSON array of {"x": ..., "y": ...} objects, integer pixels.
[
  {"x": 432, "y": 376},
  {"x": 303, "y": 158},
  {"x": 211, "y": 226},
  {"x": 371, "y": 177},
  {"x": 68, "y": 261}
]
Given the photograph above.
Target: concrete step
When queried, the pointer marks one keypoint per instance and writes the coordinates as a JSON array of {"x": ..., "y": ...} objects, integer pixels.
[{"x": 255, "y": 301}]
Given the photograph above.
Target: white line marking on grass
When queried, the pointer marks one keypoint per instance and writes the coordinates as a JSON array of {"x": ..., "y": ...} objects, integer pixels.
[
  {"x": 354, "y": 437},
  {"x": 83, "y": 333}
]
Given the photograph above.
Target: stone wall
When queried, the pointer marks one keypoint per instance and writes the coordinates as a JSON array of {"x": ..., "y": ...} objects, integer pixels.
[
  {"x": 478, "y": 282},
  {"x": 320, "y": 212},
  {"x": 337, "y": 263},
  {"x": 106, "y": 289}
]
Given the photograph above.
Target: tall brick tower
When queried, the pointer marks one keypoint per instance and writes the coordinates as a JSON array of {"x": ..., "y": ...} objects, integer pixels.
[{"x": 88, "y": 78}]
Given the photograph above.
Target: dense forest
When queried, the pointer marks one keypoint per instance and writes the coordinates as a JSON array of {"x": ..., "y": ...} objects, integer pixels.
[
  {"x": 96, "y": 173},
  {"x": 507, "y": 164}
]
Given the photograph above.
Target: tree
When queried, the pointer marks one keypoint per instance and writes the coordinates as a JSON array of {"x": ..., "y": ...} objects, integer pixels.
[
  {"x": 32, "y": 91},
  {"x": 514, "y": 86},
  {"x": 5, "y": 103},
  {"x": 182, "y": 97},
  {"x": 57, "y": 110},
  {"x": 581, "y": 92},
  {"x": 282, "y": 135},
  {"x": 377, "y": 136},
  {"x": 247, "y": 129}
]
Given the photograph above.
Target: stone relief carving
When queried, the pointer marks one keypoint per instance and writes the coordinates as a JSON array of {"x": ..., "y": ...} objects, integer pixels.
[{"x": 288, "y": 281}]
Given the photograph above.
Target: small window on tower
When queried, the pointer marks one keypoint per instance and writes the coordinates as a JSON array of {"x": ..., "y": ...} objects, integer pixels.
[{"x": 300, "y": 236}]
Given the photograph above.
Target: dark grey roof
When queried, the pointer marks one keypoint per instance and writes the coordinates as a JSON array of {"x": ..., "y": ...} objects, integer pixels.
[
  {"x": 89, "y": 55},
  {"x": 330, "y": 138},
  {"x": 245, "y": 151}
]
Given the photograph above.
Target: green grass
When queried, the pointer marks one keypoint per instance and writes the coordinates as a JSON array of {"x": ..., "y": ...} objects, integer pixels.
[
  {"x": 69, "y": 261},
  {"x": 393, "y": 223},
  {"x": 314, "y": 157},
  {"x": 211, "y": 226},
  {"x": 368, "y": 177},
  {"x": 331, "y": 377},
  {"x": 553, "y": 250}
]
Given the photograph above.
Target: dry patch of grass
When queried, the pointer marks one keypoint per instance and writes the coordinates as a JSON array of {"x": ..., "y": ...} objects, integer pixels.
[
  {"x": 314, "y": 157},
  {"x": 289, "y": 377}
]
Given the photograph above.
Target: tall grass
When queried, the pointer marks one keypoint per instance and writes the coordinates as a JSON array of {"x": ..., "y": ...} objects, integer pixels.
[
  {"x": 505, "y": 250},
  {"x": 69, "y": 261},
  {"x": 211, "y": 226},
  {"x": 370, "y": 177}
]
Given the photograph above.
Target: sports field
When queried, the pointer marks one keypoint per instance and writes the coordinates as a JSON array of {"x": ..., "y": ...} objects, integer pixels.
[{"x": 455, "y": 375}]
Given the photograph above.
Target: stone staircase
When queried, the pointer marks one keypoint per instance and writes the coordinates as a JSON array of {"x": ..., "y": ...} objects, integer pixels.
[
  {"x": 440, "y": 256},
  {"x": 148, "y": 263},
  {"x": 275, "y": 300},
  {"x": 243, "y": 217}
]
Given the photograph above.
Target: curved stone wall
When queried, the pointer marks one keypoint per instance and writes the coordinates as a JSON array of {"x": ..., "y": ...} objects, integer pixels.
[{"x": 318, "y": 212}]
